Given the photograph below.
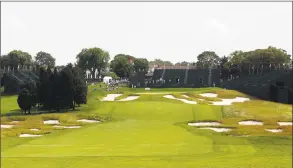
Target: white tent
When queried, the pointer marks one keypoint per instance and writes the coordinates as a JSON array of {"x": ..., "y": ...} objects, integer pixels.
[{"x": 107, "y": 79}]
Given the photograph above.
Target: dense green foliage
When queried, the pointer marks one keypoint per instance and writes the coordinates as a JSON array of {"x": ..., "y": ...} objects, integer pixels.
[
  {"x": 44, "y": 59},
  {"x": 122, "y": 66},
  {"x": 240, "y": 63},
  {"x": 14, "y": 59},
  {"x": 57, "y": 90},
  {"x": 21, "y": 60},
  {"x": 125, "y": 65},
  {"x": 24, "y": 101},
  {"x": 208, "y": 59},
  {"x": 93, "y": 59},
  {"x": 161, "y": 62}
]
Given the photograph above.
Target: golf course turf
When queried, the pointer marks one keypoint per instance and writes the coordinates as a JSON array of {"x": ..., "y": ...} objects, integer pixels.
[{"x": 151, "y": 131}]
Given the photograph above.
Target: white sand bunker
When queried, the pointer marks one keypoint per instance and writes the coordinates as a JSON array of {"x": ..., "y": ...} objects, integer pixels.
[
  {"x": 226, "y": 102},
  {"x": 204, "y": 124},
  {"x": 35, "y": 129},
  {"x": 51, "y": 122},
  {"x": 88, "y": 121},
  {"x": 69, "y": 127},
  {"x": 208, "y": 95},
  {"x": 7, "y": 126},
  {"x": 14, "y": 122},
  {"x": 284, "y": 123},
  {"x": 274, "y": 130},
  {"x": 183, "y": 100},
  {"x": 250, "y": 122},
  {"x": 185, "y": 96},
  {"x": 28, "y": 135},
  {"x": 129, "y": 98},
  {"x": 111, "y": 97},
  {"x": 218, "y": 129}
]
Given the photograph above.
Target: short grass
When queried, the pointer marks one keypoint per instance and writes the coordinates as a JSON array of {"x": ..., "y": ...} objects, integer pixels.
[{"x": 152, "y": 131}]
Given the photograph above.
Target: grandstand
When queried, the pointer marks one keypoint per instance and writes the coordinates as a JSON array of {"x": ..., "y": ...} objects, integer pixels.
[
  {"x": 12, "y": 81},
  {"x": 177, "y": 76},
  {"x": 275, "y": 85}
]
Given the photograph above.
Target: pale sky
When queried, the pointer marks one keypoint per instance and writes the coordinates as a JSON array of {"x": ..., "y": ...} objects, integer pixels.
[{"x": 174, "y": 31}]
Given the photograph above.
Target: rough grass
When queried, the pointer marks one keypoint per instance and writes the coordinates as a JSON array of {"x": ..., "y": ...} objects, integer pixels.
[{"x": 152, "y": 131}]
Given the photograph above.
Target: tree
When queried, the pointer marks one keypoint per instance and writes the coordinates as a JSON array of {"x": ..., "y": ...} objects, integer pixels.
[
  {"x": 44, "y": 88},
  {"x": 82, "y": 60},
  {"x": 93, "y": 59},
  {"x": 32, "y": 89},
  {"x": 67, "y": 85},
  {"x": 208, "y": 59},
  {"x": 160, "y": 62},
  {"x": 44, "y": 59},
  {"x": 80, "y": 88},
  {"x": 141, "y": 64},
  {"x": 280, "y": 57},
  {"x": 55, "y": 90},
  {"x": 184, "y": 63},
  {"x": 24, "y": 101},
  {"x": 4, "y": 61},
  {"x": 224, "y": 65},
  {"x": 121, "y": 65},
  {"x": 19, "y": 58}
]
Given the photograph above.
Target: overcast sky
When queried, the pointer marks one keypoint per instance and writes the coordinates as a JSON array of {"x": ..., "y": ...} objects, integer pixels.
[{"x": 174, "y": 31}]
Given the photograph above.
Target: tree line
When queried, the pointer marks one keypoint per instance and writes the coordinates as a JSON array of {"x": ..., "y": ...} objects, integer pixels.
[
  {"x": 18, "y": 59},
  {"x": 123, "y": 65},
  {"x": 55, "y": 90},
  {"x": 97, "y": 60}
]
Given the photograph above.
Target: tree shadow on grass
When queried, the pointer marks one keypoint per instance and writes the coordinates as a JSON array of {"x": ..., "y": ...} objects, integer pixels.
[{"x": 18, "y": 112}]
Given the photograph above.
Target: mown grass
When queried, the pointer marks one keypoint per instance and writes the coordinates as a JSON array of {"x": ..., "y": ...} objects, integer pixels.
[
  {"x": 9, "y": 104},
  {"x": 152, "y": 131}
]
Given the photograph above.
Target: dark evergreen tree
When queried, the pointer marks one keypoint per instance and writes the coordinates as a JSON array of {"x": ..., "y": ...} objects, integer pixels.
[
  {"x": 67, "y": 85},
  {"x": 32, "y": 89},
  {"x": 55, "y": 96},
  {"x": 24, "y": 101},
  {"x": 41, "y": 90},
  {"x": 80, "y": 87},
  {"x": 48, "y": 88}
]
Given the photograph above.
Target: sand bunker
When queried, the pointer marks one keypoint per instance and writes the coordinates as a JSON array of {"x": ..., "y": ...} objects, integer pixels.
[
  {"x": 7, "y": 126},
  {"x": 147, "y": 88},
  {"x": 183, "y": 100},
  {"x": 208, "y": 95},
  {"x": 218, "y": 129},
  {"x": 14, "y": 122},
  {"x": 51, "y": 122},
  {"x": 226, "y": 102},
  {"x": 28, "y": 135},
  {"x": 35, "y": 129},
  {"x": 284, "y": 123},
  {"x": 69, "y": 127},
  {"x": 185, "y": 96},
  {"x": 88, "y": 121},
  {"x": 111, "y": 97},
  {"x": 129, "y": 98},
  {"x": 274, "y": 130},
  {"x": 250, "y": 123},
  {"x": 204, "y": 124}
]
